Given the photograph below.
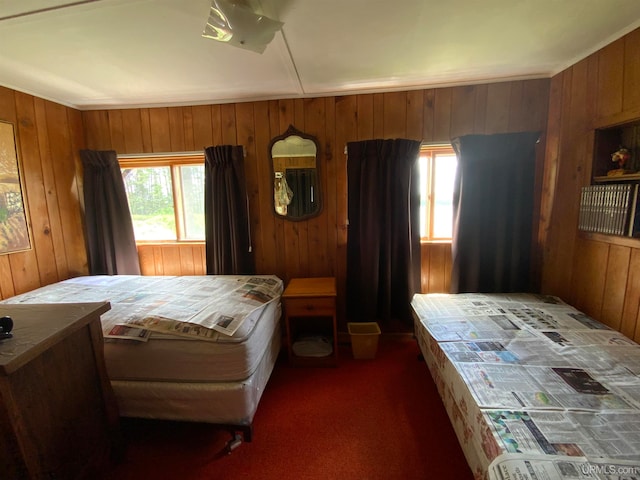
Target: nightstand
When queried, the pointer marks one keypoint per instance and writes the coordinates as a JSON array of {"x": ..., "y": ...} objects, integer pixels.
[{"x": 310, "y": 308}]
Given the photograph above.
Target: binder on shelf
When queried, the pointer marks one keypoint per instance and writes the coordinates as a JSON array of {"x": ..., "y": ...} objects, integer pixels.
[
  {"x": 634, "y": 217},
  {"x": 611, "y": 209}
]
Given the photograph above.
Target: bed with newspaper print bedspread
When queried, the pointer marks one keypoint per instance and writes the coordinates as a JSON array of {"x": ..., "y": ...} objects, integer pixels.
[
  {"x": 534, "y": 388},
  {"x": 190, "y": 348}
]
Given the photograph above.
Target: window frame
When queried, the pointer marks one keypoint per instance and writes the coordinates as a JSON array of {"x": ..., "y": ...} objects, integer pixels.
[
  {"x": 430, "y": 151},
  {"x": 174, "y": 162}
]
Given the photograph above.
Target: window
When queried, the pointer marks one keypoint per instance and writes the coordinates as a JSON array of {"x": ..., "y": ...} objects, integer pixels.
[
  {"x": 438, "y": 165},
  {"x": 166, "y": 197}
]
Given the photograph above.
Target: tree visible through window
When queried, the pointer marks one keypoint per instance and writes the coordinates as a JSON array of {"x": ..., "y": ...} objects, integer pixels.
[
  {"x": 438, "y": 165},
  {"x": 166, "y": 197}
]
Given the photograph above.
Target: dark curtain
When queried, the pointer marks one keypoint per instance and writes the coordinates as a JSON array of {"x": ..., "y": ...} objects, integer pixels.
[
  {"x": 383, "y": 246},
  {"x": 228, "y": 242},
  {"x": 111, "y": 244},
  {"x": 303, "y": 183},
  {"x": 493, "y": 213}
]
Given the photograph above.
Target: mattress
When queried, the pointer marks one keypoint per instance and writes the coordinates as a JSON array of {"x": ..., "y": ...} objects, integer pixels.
[
  {"x": 533, "y": 387},
  {"x": 165, "y": 358},
  {"x": 221, "y": 402},
  {"x": 172, "y": 356}
]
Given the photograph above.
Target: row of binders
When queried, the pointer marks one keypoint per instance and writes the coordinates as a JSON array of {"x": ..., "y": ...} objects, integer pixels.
[{"x": 610, "y": 209}]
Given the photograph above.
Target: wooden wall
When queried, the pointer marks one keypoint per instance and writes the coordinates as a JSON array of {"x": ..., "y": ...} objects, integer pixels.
[
  {"x": 436, "y": 267},
  {"x": 49, "y": 137},
  {"x": 597, "y": 273},
  {"x": 189, "y": 259},
  {"x": 316, "y": 247},
  {"x": 172, "y": 259}
]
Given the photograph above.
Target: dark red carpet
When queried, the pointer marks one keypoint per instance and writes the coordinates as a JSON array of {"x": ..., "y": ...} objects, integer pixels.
[{"x": 366, "y": 419}]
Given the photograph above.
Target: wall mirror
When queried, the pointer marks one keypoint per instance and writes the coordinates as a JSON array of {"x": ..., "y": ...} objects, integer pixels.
[{"x": 296, "y": 175}]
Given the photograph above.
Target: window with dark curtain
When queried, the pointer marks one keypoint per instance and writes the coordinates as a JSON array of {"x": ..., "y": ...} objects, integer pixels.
[
  {"x": 111, "y": 244},
  {"x": 493, "y": 213},
  {"x": 227, "y": 232},
  {"x": 383, "y": 246}
]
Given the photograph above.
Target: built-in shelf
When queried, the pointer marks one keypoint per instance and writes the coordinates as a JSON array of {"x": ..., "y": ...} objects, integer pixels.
[
  {"x": 630, "y": 177},
  {"x": 607, "y": 141},
  {"x": 610, "y": 205}
]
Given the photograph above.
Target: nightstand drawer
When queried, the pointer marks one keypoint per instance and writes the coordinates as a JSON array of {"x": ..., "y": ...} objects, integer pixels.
[{"x": 310, "y": 306}]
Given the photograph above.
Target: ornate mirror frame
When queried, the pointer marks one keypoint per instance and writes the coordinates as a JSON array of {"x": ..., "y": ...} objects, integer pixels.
[{"x": 283, "y": 193}]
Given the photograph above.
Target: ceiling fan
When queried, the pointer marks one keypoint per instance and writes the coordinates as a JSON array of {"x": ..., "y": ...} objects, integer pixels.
[{"x": 236, "y": 23}]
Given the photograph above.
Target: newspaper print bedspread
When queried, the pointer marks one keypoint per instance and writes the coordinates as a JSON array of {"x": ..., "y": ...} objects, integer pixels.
[
  {"x": 201, "y": 307},
  {"x": 535, "y": 388}
]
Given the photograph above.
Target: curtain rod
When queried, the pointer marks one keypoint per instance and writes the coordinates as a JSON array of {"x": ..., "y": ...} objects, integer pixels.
[
  {"x": 168, "y": 154},
  {"x": 160, "y": 154},
  {"x": 422, "y": 144}
]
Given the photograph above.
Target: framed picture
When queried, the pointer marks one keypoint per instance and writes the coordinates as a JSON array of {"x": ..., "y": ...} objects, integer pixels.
[{"x": 14, "y": 227}]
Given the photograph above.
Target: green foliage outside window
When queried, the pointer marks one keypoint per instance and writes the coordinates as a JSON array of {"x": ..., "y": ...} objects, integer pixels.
[{"x": 150, "y": 197}]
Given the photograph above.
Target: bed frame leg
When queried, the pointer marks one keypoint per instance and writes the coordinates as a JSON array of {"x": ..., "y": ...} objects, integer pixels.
[
  {"x": 239, "y": 434},
  {"x": 234, "y": 443}
]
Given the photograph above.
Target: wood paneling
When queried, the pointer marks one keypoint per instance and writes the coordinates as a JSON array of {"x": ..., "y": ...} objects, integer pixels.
[
  {"x": 316, "y": 247},
  {"x": 588, "y": 296},
  {"x": 599, "y": 274},
  {"x": 611, "y": 78},
  {"x": 170, "y": 259},
  {"x": 629, "y": 321},
  {"x": 49, "y": 137},
  {"x": 436, "y": 267},
  {"x": 617, "y": 270}
]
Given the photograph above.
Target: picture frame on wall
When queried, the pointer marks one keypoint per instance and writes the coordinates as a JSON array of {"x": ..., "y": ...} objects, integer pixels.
[{"x": 14, "y": 226}]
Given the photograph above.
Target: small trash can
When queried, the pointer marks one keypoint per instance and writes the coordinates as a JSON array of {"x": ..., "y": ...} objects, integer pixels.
[{"x": 364, "y": 339}]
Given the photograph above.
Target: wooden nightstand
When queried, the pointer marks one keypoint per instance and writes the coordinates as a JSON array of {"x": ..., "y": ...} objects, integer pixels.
[
  {"x": 310, "y": 307},
  {"x": 58, "y": 415}
]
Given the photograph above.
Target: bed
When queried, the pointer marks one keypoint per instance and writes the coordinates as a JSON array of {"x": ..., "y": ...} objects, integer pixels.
[
  {"x": 187, "y": 348},
  {"x": 534, "y": 388}
]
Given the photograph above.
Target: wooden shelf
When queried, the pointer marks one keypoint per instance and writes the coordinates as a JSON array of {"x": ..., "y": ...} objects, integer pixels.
[{"x": 618, "y": 178}]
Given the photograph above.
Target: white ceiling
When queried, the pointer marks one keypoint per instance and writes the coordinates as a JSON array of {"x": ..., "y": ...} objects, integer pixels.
[{"x": 139, "y": 53}]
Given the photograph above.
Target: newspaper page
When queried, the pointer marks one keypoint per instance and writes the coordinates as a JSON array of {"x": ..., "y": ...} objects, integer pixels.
[
  {"x": 533, "y": 312},
  {"x": 462, "y": 306},
  {"x": 211, "y": 306},
  {"x": 224, "y": 313},
  {"x": 522, "y": 386},
  {"x": 466, "y": 304},
  {"x": 552, "y": 349},
  {"x": 199, "y": 307},
  {"x": 613, "y": 435},
  {"x": 548, "y": 467},
  {"x": 482, "y": 327},
  {"x": 123, "y": 332}
]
